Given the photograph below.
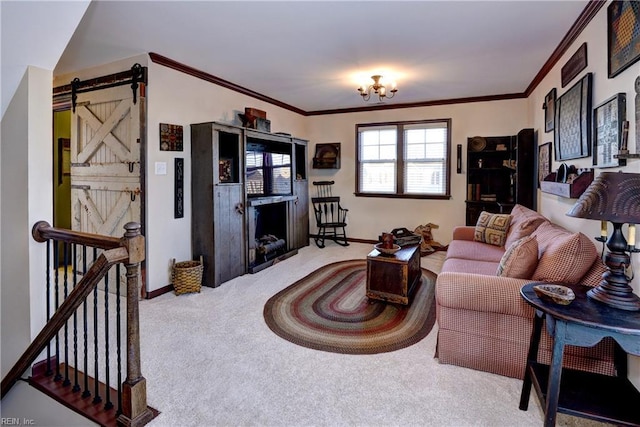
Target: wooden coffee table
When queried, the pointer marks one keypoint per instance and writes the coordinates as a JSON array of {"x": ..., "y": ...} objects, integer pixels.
[{"x": 393, "y": 278}]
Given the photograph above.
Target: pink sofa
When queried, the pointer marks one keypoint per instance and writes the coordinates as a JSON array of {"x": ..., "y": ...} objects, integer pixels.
[{"x": 484, "y": 323}]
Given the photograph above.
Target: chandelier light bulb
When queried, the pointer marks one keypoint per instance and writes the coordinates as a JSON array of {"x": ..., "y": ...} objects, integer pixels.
[{"x": 378, "y": 88}]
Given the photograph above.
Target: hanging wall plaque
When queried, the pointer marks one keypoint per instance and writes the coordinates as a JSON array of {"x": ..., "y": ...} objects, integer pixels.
[
  {"x": 170, "y": 137},
  {"x": 178, "y": 200}
]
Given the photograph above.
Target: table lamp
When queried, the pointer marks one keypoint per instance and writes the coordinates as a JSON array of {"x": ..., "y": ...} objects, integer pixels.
[{"x": 613, "y": 197}]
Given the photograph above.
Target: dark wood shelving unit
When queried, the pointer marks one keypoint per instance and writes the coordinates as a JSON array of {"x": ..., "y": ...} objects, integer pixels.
[
  {"x": 233, "y": 207},
  {"x": 499, "y": 174}
]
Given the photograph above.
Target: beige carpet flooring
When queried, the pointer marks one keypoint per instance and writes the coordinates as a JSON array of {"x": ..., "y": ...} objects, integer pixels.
[{"x": 210, "y": 360}]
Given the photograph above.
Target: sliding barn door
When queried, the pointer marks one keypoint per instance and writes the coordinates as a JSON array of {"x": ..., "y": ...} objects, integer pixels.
[{"x": 105, "y": 162}]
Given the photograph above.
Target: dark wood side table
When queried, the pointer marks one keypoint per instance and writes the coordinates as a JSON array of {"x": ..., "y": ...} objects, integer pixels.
[
  {"x": 393, "y": 277},
  {"x": 583, "y": 323}
]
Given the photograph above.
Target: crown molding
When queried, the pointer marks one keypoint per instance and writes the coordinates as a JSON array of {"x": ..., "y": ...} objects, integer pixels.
[{"x": 588, "y": 13}]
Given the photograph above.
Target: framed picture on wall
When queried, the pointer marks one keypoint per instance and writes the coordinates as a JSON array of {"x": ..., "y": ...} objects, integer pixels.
[
  {"x": 574, "y": 65},
  {"x": 544, "y": 161},
  {"x": 608, "y": 118},
  {"x": 572, "y": 127},
  {"x": 623, "y": 35},
  {"x": 549, "y": 110}
]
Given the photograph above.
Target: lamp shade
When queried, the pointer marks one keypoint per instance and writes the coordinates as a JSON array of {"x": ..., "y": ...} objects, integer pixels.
[{"x": 612, "y": 196}]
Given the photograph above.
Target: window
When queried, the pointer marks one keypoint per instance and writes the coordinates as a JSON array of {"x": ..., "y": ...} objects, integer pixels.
[{"x": 404, "y": 159}]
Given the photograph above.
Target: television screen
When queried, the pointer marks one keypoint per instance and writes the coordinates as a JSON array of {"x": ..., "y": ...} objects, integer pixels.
[{"x": 268, "y": 171}]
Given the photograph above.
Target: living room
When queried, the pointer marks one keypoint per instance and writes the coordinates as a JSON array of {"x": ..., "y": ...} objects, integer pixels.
[{"x": 175, "y": 97}]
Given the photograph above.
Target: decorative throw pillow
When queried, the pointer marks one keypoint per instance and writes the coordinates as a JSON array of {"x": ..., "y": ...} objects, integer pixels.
[
  {"x": 566, "y": 260},
  {"x": 524, "y": 221},
  {"x": 520, "y": 260},
  {"x": 492, "y": 228}
]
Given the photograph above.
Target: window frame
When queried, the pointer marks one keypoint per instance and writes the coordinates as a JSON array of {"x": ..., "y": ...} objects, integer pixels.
[{"x": 400, "y": 160}]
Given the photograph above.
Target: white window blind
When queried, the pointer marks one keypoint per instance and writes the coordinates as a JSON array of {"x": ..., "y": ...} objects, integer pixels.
[
  {"x": 377, "y": 160},
  {"x": 425, "y": 158}
]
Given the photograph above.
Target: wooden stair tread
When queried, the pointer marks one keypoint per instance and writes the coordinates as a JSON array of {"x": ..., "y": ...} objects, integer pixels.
[{"x": 74, "y": 400}]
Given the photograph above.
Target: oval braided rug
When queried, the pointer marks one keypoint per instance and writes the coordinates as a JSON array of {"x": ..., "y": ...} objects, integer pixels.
[{"x": 328, "y": 310}]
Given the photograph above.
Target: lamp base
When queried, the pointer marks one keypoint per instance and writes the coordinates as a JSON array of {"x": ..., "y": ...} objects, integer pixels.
[
  {"x": 614, "y": 290},
  {"x": 623, "y": 301}
]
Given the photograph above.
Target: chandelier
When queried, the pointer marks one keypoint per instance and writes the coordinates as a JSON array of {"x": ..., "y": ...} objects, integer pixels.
[{"x": 377, "y": 88}]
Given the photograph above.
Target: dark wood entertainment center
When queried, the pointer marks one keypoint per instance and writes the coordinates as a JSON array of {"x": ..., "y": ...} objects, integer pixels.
[{"x": 250, "y": 199}]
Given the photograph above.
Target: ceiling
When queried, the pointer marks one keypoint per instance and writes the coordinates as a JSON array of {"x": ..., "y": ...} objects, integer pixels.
[{"x": 308, "y": 54}]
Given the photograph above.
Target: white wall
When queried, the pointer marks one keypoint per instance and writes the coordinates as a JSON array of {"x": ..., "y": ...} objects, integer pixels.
[
  {"x": 555, "y": 207},
  {"x": 179, "y": 99},
  {"x": 369, "y": 216},
  {"x": 27, "y": 197}
]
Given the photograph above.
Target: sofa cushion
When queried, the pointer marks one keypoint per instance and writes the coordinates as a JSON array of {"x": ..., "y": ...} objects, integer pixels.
[
  {"x": 492, "y": 228},
  {"x": 566, "y": 260},
  {"x": 520, "y": 259},
  {"x": 524, "y": 221},
  {"x": 474, "y": 250},
  {"x": 458, "y": 265}
]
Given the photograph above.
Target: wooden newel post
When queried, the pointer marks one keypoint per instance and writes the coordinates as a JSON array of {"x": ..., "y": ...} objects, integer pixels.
[{"x": 135, "y": 411}]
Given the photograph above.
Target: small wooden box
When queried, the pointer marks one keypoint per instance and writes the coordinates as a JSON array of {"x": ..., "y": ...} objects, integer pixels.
[
  {"x": 254, "y": 112},
  {"x": 393, "y": 278}
]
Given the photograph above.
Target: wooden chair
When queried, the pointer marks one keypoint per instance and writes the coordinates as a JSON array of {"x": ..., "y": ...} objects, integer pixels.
[{"x": 331, "y": 218}]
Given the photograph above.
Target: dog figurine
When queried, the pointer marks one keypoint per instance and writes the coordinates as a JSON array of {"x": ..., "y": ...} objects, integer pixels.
[{"x": 427, "y": 244}]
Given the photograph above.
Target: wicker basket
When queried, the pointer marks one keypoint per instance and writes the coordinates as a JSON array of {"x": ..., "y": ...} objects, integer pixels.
[{"x": 186, "y": 276}]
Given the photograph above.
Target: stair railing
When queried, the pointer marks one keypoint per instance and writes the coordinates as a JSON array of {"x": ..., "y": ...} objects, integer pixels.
[{"x": 129, "y": 250}]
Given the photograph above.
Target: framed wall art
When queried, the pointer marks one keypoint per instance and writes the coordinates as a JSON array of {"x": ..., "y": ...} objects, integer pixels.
[
  {"x": 549, "y": 110},
  {"x": 225, "y": 170},
  {"x": 327, "y": 156},
  {"x": 574, "y": 65},
  {"x": 170, "y": 137},
  {"x": 608, "y": 118},
  {"x": 544, "y": 161},
  {"x": 623, "y": 35},
  {"x": 572, "y": 127}
]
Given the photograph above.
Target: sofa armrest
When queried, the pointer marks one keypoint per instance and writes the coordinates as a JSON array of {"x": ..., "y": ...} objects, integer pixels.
[
  {"x": 463, "y": 232},
  {"x": 479, "y": 292}
]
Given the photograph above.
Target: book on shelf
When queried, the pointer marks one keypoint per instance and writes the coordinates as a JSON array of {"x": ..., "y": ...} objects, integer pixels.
[{"x": 473, "y": 192}]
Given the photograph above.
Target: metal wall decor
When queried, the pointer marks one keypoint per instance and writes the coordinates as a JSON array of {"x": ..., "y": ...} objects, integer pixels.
[
  {"x": 178, "y": 200},
  {"x": 574, "y": 65},
  {"x": 573, "y": 121},
  {"x": 549, "y": 108},
  {"x": 623, "y": 35},
  {"x": 608, "y": 119},
  {"x": 170, "y": 137}
]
